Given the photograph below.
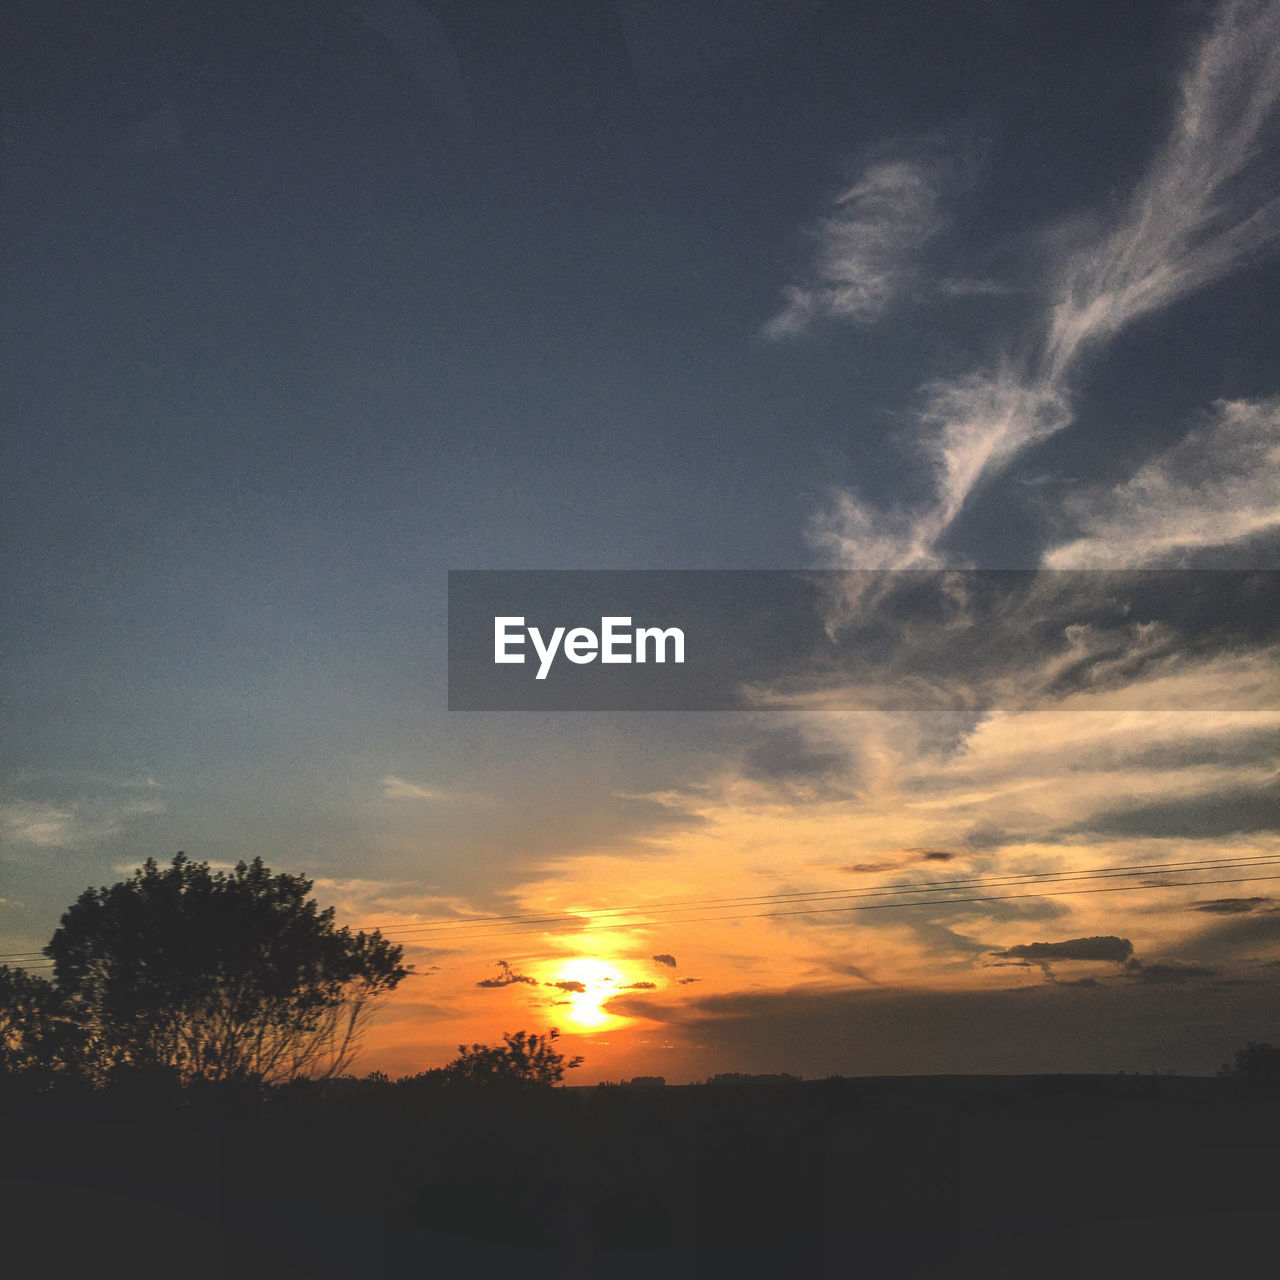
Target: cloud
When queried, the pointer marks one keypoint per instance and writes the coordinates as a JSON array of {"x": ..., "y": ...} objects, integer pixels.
[
  {"x": 394, "y": 788},
  {"x": 39, "y": 824},
  {"x": 508, "y": 977},
  {"x": 1154, "y": 973},
  {"x": 909, "y": 857},
  {"x": 972, "y": 427},
  {"x": 1200, "y": 211},
  {"x": 669, "y": 961},
  {"x": 1235, "y": 938},
  {"x": 574, "y": 988},
  {"x": 1190, "y": 1027},
  {"x": 639, "y": 986},
  {"x": 1219, "y": 486},
  {"x": 867, "y": 247},
  {"x": 71, "y": 825},
  {"x": 1108, "y": 947},
  {"x": 788, "y": 755},
  {"x": 1194, "y": 816},
  {"x": 1230, "y": 906}
]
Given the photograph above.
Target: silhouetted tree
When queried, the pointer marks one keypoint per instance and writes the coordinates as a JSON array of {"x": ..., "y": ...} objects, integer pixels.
[
  {"x": 41, "y": 1038},
  {"x": 216, "y": 975},
  {"x": 1254, "y": 1062},
  {"x": 523, "y": 1059}
]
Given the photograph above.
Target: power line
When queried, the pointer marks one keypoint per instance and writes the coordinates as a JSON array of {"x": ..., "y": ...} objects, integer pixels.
[
  {"x": 464, "y": 929},
  {"x": 873, "y": 906},
  {"x": 454, "y": 927},
  {"x": 878, "y": 906}
]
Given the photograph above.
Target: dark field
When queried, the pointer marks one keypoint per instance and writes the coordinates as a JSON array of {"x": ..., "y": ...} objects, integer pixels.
[{"x": 929, "y": 1176}]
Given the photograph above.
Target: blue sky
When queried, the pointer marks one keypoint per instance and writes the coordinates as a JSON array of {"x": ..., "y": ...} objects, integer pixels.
[{"x": 308, "y": 304}]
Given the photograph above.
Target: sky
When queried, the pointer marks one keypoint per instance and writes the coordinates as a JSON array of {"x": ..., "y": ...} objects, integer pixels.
[{"x": 306, "y": 305}]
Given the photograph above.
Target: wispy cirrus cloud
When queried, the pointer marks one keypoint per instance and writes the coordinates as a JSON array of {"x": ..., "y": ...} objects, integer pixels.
[
  {"x": 1203, "y": 209},
  {"x": 46, "y": 825},
  {"x": 73, "y": 825},
  {"x": 1218, "y": 487},
  {"x": 867, "y": 247},
  {"x": 394, "y": 788},
  {"x": 75, "y": 808}
]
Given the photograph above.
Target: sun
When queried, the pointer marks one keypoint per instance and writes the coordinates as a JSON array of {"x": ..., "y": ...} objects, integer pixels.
[{"x": 598, "y": 980}]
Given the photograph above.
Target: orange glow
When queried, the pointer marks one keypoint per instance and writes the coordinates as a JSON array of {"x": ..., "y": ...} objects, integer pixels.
[{"x": 600, "y": 980}]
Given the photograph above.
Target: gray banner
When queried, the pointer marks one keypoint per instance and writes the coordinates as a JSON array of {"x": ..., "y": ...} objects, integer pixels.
[{"x": 729, "y": 640}]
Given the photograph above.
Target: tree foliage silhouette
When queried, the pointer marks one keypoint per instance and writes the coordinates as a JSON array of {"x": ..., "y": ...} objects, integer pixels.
[
  {"x": 1254, "y": 1062},
  {"x": 41, "y": 1039},
  {"x": 523, "y": 1060},
  {"x": 217, "y": 975}
]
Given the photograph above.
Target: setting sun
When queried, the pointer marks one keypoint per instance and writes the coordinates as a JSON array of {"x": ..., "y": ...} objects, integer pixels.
[{"x": 588, "y": 983}]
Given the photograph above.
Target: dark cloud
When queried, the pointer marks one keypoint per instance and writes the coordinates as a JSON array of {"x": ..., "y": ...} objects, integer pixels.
[
  {"x": 909, "y": 856},
  {"x": 669, "y": 961},
  {"x": 1189, "y": 1027},
  {"x": 1029, "y": 909},
  {"x": 576, "y": 987},
  {"x": 640, "y": 1007},
  {"x": 1234, "y": 937},
  {"x": 684, "y": 982},
  {"x": 1105, "y": 947},
  {"x": 507, "y": 977},
  {"x": 937, "y": 938},
  {"x": 1197, "y": 817},
  {"x": 1171, "y": 972},
  {"x": 847, "y": 970},
  {"x": 1230, "y": 906},
  {"x": 986, "y": 836},
  {"x": 953, "y": 643},
  {"x": 641, "y": 986},
  {"x": 789, "y": 756},
  {"x": 1242, "y": 747}
]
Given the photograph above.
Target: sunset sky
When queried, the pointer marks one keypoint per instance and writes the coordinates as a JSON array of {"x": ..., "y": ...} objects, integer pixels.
[{"x": 307, "y": 304}]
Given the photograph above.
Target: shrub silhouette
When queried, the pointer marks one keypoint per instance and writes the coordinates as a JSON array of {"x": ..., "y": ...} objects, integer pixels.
[{"x": 523, "y": 1060}]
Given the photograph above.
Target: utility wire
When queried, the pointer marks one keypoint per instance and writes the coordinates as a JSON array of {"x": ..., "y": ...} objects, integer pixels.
[
  {"x": 878, "y": 906},
  {"x": 464, "y": 928},
  {"x": 456, "y": 927}
]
